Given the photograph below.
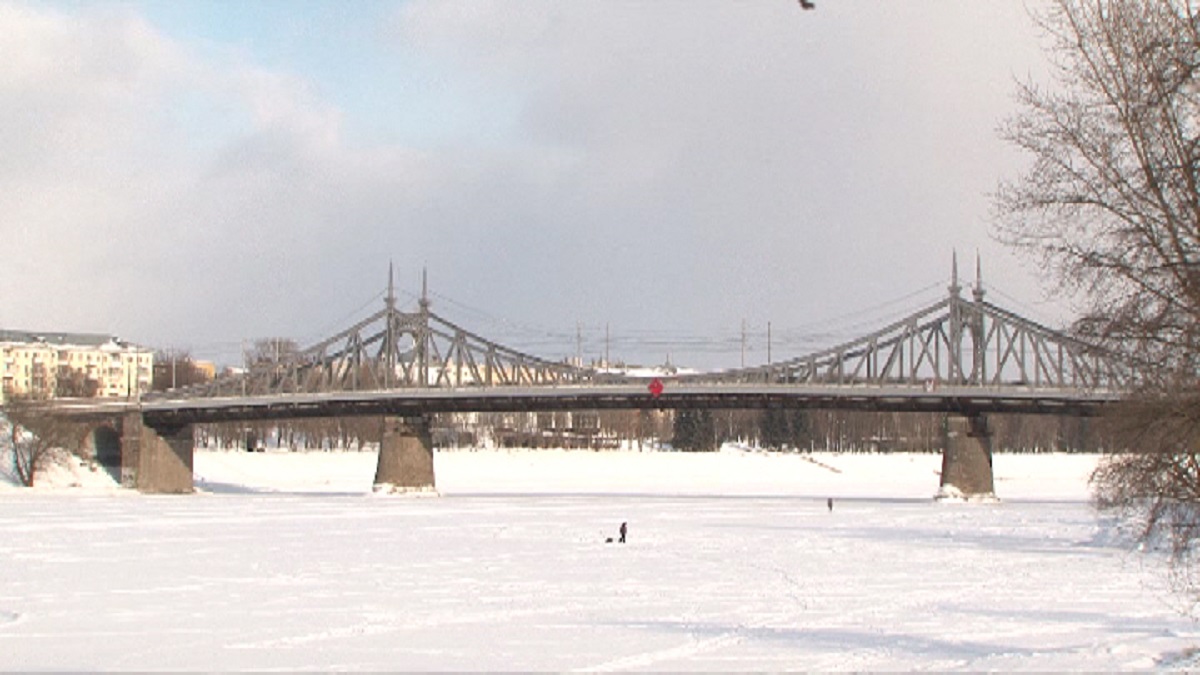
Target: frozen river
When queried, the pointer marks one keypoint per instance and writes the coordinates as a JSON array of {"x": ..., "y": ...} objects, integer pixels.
[{"x": 733, "y": 562}]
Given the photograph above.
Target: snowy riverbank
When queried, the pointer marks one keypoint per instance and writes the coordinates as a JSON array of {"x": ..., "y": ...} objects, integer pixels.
[{"x": 730, "y": 472}]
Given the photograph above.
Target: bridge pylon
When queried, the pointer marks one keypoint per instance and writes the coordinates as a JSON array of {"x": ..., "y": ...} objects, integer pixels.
[
  {"x": 156, "y": 460},
  {"x": 966, "y": 458},
  {"x": 405, "y": 462}
]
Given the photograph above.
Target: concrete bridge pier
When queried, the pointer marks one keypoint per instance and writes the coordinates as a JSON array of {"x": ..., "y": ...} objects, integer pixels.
[
  {"x": 405, "y": 456},
  {"x": 156, "y": 460},
  {"x": 967, "y": 458}
]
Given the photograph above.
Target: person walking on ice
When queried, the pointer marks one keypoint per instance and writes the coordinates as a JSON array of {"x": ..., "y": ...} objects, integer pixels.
[{"x": 623, "y": 530}]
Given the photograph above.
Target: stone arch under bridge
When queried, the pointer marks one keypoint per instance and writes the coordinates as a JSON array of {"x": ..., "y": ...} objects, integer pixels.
[
  {"x": 104, "y": 447},
  {"x": 159, "y": 459},
  {"x": 136, "y": 455}
]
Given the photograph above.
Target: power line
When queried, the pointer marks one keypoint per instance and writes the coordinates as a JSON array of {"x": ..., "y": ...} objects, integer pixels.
[
  {"x": 601, "y": 340},
  {"x": 1025, "y": 307},
  {"x": 337, "y": 324}
]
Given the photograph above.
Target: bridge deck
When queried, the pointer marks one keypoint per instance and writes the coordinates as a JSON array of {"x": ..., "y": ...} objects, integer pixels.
[{"x": 415, "y": 402}]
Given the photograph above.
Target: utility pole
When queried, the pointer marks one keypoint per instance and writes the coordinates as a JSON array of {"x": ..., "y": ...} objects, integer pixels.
[
  {"x": 606, "y": 343},
  {"x": 743, "y": 343},
  {"x": 245, "y": 367},
  {"x": 768, "y": 343},
  {"x": 578, "y": 344}
]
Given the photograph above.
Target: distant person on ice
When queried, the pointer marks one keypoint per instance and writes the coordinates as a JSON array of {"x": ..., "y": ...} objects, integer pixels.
[
  {"x": 624, "y": 529},
  {"x": 829, "y": 503}
]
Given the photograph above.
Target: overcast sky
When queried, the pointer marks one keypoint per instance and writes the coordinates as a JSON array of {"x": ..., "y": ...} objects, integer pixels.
[{"x": 193, "y": 175}]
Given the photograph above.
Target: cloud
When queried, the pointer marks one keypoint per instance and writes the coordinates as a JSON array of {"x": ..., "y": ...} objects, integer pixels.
[
  {"x": 744, "y": 161},
  {"x": 657, "y": 166},
  {"x": 74, "y": 155},
  {"x": 145, "y": 191}
]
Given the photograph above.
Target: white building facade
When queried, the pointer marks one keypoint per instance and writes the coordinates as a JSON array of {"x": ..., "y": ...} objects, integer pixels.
[{"x": 36, "y": 364}]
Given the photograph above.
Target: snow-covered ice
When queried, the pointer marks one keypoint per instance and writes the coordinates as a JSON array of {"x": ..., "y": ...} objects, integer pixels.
[{"x": 288, "y": 561}]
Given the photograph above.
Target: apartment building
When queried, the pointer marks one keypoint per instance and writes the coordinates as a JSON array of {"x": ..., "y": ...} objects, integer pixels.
[{"x": 36, "y": 364}]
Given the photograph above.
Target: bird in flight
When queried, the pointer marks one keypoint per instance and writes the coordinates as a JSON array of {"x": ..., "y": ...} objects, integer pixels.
[{"x": 807, "y": 4}]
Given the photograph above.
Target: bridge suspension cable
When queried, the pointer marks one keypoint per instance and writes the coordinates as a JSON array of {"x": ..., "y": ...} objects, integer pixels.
[
  {"x": 1035, "y": 312},
  {"x": 726, "y": 341},
  {"x": 962, "y": 341},
  {"x": 335, "y": 324}
]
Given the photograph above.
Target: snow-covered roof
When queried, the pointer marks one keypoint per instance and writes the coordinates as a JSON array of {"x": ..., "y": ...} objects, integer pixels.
[{"x": 62, "y": 339}]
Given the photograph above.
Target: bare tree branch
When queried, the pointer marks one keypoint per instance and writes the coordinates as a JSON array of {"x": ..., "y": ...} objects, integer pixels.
[
  {"x": 1111, "y": 205},
  {"x": 38, "y": 437}
]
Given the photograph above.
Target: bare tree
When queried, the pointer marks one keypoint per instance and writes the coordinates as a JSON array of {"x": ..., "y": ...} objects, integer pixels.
[
  {"x": 272, "y": 351},
  {"x": 1111, "y": 206},
  {"x": 72, "y": 383},
  {"x": 1111, "y": 203},
  {"x": 1158, "y": 483},
  {"x": 37, "y": 437},
  {"x": 176, "y": 369}
]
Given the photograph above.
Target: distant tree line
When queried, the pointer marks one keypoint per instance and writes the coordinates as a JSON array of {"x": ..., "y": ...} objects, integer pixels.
[
  {"x": 175, "y": 369},
  {"x": 851, "y": 431},
  {"x": 792, "y": 430}
]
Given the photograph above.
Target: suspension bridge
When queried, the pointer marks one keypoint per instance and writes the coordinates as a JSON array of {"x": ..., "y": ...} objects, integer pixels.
[{"x": 962, "y": 355}]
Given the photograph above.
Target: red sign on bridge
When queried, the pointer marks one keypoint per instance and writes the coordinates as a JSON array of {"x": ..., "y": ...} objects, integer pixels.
[{"x": 655, "y": 387}]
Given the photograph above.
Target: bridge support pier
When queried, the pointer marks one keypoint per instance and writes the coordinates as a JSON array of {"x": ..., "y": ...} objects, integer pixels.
[
  {"x": 967, "y": 459},
  {"x": 156, "y": 460},
  {"x": 405, "y": 456}
]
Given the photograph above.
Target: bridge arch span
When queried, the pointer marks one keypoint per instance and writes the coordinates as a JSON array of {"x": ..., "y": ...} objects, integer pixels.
[{"x": 105, "y": 442}]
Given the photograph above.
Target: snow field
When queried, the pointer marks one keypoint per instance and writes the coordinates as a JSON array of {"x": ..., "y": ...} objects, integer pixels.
[{"x": 286, "y": 561}]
